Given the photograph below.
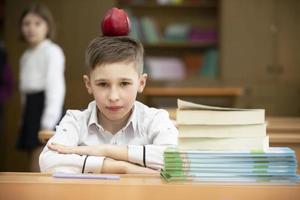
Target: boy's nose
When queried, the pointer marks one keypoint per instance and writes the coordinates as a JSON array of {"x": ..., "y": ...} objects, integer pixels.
[{"x": 114, "y": 95}]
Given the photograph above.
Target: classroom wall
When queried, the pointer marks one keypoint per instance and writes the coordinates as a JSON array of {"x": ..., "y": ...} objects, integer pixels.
[{"x": 260, "y": 48}]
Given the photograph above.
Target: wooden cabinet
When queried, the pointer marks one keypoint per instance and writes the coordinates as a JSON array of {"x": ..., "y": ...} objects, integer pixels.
[{"x": 260, "y": 48}]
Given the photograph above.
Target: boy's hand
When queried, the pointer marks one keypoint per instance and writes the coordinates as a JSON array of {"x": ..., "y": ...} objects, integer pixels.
[
  {"x": 99, "y": 150},
  {"x": 111, "y": 166}
]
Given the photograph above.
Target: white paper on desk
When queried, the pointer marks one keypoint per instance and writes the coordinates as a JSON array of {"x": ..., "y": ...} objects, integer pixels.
[{"x": 86, "y": 176}]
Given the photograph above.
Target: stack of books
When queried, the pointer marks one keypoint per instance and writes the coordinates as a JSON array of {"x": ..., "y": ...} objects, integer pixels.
[
  {"x": 226, "y": 145},
  {"x": 274, "y": 165},
  {"x": 204, "y": 127}
]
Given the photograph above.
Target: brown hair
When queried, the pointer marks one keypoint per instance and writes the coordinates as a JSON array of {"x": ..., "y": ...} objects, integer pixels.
[
  {"x": 105, "y": 50},
  {"x": 42, "y": 11}
]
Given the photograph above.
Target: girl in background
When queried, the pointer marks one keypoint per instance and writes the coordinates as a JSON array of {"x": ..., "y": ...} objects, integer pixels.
[{"x": 42, "y": 82}]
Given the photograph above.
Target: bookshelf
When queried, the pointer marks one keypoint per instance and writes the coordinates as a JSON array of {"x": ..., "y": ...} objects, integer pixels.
[
  {"x": 186, "y": 45},
  {"x": 151, "y": 4},
  {"x": 180, "y": 39},
  {"x": 185, "y": 29}
]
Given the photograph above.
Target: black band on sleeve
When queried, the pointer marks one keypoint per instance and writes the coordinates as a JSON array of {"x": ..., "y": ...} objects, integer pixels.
[
  {"x": 84, "y": 164},
  {"x": 144, "y": 156}
]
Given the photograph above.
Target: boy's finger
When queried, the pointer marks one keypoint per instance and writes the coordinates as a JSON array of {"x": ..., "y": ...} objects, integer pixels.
[{"x": 52, "y": 147}]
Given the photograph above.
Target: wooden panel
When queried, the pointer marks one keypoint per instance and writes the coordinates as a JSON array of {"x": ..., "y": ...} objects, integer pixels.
[
  {"x": 287, "y": 14},
  {"x": 245, "y": 27}
]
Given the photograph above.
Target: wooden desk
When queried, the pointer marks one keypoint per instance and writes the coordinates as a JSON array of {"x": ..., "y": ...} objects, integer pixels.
[
  {"x": 191, "y": 91},
  {"x": 285, "y": 131},
  {"x": 33, "y": 186},
  {"x": 44, "y": 136},
  {"x": 228, "y": 93}
]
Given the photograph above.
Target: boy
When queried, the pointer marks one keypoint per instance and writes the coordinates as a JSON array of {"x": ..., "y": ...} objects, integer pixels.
[{"x": 116, "y": 133}]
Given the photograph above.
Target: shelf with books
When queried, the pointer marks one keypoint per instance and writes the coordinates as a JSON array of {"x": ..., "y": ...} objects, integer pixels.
[
  {"x": 182, "y": 34},
  {"x": 154, "y": 27},
  {"x": 181, "y": 44},
  {"x": 143, "y": 4},
  {"x": 181, "y": 40}
]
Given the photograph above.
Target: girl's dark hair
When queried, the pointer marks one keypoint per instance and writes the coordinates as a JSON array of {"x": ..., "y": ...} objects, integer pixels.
[{"x": 42, "y": 11}]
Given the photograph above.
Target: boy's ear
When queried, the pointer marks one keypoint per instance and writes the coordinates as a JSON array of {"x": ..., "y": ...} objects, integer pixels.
[
  {"x": 142, "y": 82},
  {"x": 87, "y": 83}
]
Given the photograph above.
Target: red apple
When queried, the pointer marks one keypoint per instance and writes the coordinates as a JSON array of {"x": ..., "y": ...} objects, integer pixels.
[{"x": 115, "y": 23}]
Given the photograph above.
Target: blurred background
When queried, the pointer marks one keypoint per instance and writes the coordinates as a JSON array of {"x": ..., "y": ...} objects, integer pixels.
[{"x": 242, "y": 53}]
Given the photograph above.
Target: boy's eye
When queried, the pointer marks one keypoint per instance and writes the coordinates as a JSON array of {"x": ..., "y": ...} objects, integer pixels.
[
  {"x": 124, "y": 83},
  {"x": 102, "y": 84}
]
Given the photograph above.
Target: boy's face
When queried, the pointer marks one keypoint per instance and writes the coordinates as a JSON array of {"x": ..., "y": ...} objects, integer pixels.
[{"x": 114, "y": 87}]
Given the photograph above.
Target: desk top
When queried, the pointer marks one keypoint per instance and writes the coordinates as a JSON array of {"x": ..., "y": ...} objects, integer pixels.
[{"x": 147, "y": 187}]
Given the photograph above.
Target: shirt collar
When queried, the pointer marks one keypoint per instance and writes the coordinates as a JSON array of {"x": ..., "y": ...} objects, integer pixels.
[
  {"x": 132, "y": 119},
  {"x": 93, "y": 117},
  {"x": 93, "y": 120}
]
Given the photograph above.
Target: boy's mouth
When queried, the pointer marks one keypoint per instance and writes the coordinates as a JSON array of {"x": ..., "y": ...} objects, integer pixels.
[{"x": 114, "y": 108}]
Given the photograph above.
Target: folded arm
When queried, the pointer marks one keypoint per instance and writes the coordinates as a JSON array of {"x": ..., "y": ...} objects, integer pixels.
[
  {"x": 164, "y": 134},
  {"x": 72, "y": 159},
  {"x": 67, "y": 133}
]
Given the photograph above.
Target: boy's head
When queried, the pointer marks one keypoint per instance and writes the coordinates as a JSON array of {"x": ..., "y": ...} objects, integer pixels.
[
  {"x": 115, "y": 76},
  {"x": 108, "y": 50}
]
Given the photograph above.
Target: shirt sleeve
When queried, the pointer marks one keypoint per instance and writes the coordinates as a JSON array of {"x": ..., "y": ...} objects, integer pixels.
[
  {"x": 67, "y": 133},
  {"x": 163, "y": 134},
  {"x": 54, "y": 89}
]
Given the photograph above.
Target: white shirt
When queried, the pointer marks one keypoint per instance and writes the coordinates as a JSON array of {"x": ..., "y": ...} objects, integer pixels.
[
  {"x": 42, "y": 69},
  {"x": 149, "y": 127}
]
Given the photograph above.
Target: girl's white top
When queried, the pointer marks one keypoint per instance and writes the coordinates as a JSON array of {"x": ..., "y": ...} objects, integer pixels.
[{"x": 42, "y": 69}]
